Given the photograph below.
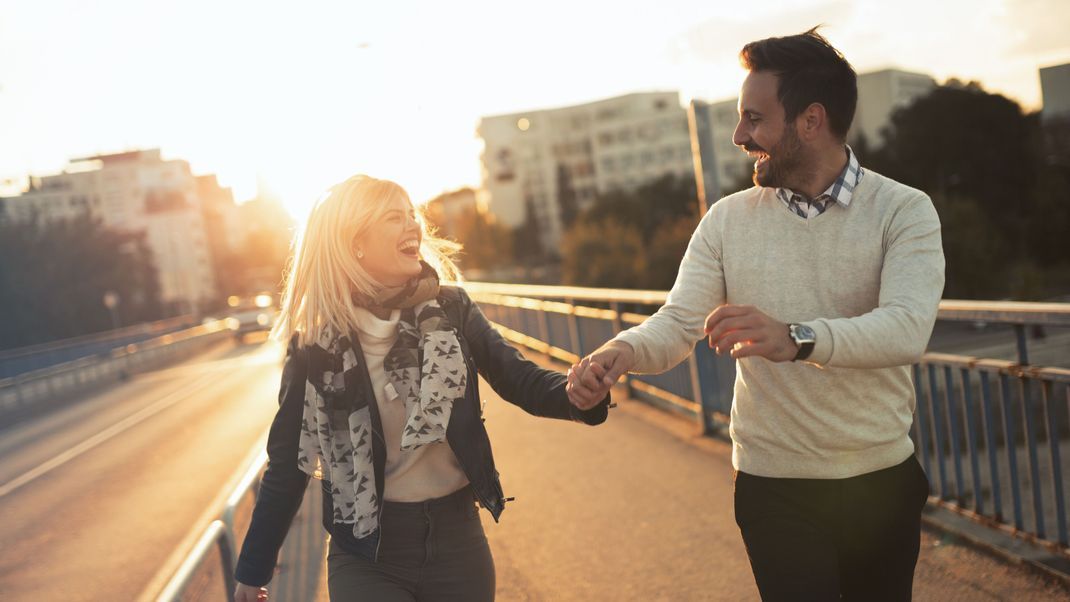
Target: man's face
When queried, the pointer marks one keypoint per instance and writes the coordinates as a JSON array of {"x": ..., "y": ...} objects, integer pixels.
[{"x": 775, "y": 145}]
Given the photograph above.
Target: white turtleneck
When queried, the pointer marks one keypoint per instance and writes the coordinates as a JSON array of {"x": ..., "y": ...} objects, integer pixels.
[{"x": 427, "y": 472}]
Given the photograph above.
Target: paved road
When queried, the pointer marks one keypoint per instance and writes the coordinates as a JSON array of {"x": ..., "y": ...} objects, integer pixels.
[{"x": 95, "y": 497}]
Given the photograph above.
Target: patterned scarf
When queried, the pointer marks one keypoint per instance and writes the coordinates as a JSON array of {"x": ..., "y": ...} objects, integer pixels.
[{"x": 426, "y": 370}]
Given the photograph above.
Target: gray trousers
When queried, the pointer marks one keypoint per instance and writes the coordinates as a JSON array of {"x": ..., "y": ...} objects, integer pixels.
[{"x": 428, "y": 552}]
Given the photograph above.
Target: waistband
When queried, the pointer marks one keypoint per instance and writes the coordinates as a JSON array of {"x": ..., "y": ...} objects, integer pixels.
[{"x": 462, "y": 499}]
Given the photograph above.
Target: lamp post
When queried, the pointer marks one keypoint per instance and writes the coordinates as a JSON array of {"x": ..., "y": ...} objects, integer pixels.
[{"x": 111, "y": 301}]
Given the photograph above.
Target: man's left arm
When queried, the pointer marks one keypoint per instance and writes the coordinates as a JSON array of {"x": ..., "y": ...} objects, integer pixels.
[{"x": 897, "y": 331}]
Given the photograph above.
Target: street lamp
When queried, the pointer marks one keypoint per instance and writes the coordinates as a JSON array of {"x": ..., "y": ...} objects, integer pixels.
[{"x": 111, "y": 301}]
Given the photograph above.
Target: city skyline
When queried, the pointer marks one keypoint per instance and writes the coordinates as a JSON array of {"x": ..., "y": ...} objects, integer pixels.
[{"x": 301, "y": 99}]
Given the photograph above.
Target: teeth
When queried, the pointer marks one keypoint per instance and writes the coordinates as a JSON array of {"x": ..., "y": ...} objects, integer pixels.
[{"x": 409, "y": 244}]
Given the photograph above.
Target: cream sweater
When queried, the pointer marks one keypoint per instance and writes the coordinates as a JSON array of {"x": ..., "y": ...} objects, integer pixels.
[
  {"x": 867, "y": 278},
  {"x": 428, "y": 472}
]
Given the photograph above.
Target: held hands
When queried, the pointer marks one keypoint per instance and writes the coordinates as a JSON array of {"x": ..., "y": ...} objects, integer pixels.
[
  {"x": 590, "y": 380},
  {"x": 250, "y": 593},
  {"x": 745, "y": 331}
]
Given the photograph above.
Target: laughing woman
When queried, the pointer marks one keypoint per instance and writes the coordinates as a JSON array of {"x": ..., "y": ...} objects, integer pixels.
[{"x": 380, "y": 400}]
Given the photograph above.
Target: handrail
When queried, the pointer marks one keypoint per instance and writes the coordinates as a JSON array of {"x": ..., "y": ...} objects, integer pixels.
[
  {"x": 1011, "y": 312},
  {"x": 145, "y": 327},
  {"x": 219, "y": 532}
]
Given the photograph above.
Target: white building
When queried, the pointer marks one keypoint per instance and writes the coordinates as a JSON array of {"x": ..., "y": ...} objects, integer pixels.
[
  {"x": 724, "y": 166},
  {"x": 1055, "y": 92},
  {"x": 880, "y": 94},
  {"x": 135, "y": 191},
  {"x": 547, "y": 165}
]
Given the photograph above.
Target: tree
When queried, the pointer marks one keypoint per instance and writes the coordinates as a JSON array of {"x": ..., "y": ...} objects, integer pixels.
[
  {"x": 603, "y": 253},
  {"x": 53, "y": 277},
  {"x": 1003, "y": 208},
  {"x": 487, "y": 244},
  {"x": 654, "y": 222}
]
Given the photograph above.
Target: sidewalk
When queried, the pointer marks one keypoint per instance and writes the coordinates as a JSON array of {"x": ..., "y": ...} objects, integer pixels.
[{"x": 640, "y": 509}]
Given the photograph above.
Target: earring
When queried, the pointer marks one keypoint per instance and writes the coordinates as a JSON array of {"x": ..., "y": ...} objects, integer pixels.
[{"x": 360, "y": 254}]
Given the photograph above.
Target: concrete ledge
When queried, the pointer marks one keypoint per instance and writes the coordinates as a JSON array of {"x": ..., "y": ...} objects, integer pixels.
[{"x": 998, "y": 543}]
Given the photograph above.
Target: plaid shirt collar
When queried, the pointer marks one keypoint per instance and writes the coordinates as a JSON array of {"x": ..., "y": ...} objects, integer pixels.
[{"x": 840, "y": 191}]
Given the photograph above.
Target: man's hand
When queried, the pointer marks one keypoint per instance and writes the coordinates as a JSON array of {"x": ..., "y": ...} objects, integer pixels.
[
  {"x": 591, "y": 378},
  {"x": 745, "y": 331},
  {"x": 250, "y": 593}
]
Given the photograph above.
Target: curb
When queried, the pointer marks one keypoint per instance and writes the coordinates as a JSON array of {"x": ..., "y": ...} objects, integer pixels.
[{"x": 999, "y": 544}]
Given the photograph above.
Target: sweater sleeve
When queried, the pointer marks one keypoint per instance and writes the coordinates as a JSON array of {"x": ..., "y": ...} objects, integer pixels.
[
  {"x": 667, "y": 337},
  {"x": 897, "y": 332}
]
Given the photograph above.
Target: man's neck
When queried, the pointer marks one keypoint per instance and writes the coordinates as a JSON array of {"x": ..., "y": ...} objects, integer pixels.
[{"x": 827, "y": 167}]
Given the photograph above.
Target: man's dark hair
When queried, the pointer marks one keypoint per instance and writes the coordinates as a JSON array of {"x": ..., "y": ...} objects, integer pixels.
[{"x": 808, "y": 70}]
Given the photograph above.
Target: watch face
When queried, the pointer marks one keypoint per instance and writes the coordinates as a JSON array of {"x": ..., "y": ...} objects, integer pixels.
[{"x": 804, "y": 333}]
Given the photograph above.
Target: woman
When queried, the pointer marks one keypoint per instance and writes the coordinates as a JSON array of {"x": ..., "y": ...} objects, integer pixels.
[{"x": 380, "y": 400}]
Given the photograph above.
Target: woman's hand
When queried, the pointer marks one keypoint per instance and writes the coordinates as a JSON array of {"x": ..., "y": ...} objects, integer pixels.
[{"x": 250, "y": 593}]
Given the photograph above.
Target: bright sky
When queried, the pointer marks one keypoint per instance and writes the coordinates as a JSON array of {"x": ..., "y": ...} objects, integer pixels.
[{"x": 302, "y": 95}]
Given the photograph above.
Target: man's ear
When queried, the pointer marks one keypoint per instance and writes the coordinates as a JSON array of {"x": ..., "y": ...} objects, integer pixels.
[{"x": 811, "y": 121}]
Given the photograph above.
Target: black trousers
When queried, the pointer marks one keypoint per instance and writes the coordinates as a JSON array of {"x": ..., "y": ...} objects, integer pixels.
[
  {"x": 429, "y": 551},
  {"x": 833, "y": 539}
]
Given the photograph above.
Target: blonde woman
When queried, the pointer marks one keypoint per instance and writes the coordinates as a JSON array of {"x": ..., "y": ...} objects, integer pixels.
[{"x": 380, "y": 400}]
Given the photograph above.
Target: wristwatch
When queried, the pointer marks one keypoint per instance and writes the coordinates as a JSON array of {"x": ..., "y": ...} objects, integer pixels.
[{"x": 804, "y": 338}]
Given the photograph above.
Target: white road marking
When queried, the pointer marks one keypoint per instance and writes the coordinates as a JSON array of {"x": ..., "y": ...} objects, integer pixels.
[{"x": 101, "y": 437}]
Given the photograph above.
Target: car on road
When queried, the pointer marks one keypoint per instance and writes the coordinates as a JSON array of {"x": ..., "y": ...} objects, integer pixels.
[{"x": 250, "y": 314}]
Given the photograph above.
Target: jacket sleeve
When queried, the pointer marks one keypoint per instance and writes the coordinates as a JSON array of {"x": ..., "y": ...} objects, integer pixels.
[
  {"x": 283, "y": 485},
  {"x": 519, "y": 381}
]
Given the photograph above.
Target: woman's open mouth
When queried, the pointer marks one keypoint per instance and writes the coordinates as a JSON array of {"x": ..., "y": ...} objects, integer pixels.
[{"x": 410, "y": 248}]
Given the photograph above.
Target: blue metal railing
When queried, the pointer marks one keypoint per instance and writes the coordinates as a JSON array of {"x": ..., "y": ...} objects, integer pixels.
[
  {"x": 37, "y": 357},
  {"x": 989, "y": 432}
]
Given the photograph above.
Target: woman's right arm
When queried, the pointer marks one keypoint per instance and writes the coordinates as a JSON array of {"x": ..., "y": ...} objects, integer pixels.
[{"x": 283, "y": 485}]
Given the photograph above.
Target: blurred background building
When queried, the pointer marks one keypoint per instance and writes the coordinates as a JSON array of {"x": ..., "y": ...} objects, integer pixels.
[
  {"x": 543, "y": 167},
  {"x": 137, "y": 191}
]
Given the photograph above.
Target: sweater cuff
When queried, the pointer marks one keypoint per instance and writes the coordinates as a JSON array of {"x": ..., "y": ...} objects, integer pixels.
[
  {"x": 633, "y": 340},
  {"x": 823, "y": 348}
]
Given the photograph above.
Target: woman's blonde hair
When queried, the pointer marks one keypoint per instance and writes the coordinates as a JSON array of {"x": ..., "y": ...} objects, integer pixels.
[{"x": 323, "y": 271}]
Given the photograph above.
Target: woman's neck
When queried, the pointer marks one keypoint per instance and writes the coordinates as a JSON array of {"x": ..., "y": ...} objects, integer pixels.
[{"x": 383, "y": 313}]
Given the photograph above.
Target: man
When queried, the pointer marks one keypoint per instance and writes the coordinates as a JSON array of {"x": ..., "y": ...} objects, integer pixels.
[{"x": 822, "y": 282}]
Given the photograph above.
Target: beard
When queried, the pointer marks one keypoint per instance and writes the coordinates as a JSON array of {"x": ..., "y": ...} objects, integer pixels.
[{"x": 786, "y": 162}]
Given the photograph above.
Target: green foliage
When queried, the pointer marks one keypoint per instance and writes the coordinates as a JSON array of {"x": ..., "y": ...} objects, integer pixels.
[
  {"x": 1004, "y": 206},
  {"x": 605, "y": 254},
  {"x": 487, "y": 245},
  {"x": 53, "y": 277},
  {"x": 632, "y": 239}
]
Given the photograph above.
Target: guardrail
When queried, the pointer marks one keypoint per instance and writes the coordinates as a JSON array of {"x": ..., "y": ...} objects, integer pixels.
[
  {"x": 988, "y": 432},
  {"x": 200, "y": 571},
  {"x": 35, "y": 357},
  {"x": 25, "y": 389}
]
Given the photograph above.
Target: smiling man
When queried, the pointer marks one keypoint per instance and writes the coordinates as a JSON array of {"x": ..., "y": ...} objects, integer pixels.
[{"x": 822, "y": 281}]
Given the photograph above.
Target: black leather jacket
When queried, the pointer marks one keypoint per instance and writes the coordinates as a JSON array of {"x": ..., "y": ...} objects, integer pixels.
[{"x": 536, "y": 390}]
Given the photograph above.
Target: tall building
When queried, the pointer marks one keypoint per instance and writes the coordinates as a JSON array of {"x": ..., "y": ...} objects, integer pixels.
[
  {"x": 1055, "y": 92},
  {"x": 543, "y": 167},
  {"x": 880, "y": 94},
  {"x": 1055, "y": 114},
  {"x": 722, "y": 167},
  {"x": 135, "y": 191}
]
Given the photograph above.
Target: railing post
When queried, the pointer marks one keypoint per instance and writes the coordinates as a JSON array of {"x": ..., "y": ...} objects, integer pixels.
[
  {"x": 574, "y": 338},
  {"x": 1023, "y": 352},
  {"x": 618, "y": 327}
]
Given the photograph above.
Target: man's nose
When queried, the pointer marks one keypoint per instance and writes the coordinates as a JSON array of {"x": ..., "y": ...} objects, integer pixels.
[{"x": 739, "y": 137}]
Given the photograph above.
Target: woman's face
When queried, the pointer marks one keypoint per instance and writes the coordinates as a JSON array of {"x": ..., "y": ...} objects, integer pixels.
[{"x": 391, "y": 246}]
